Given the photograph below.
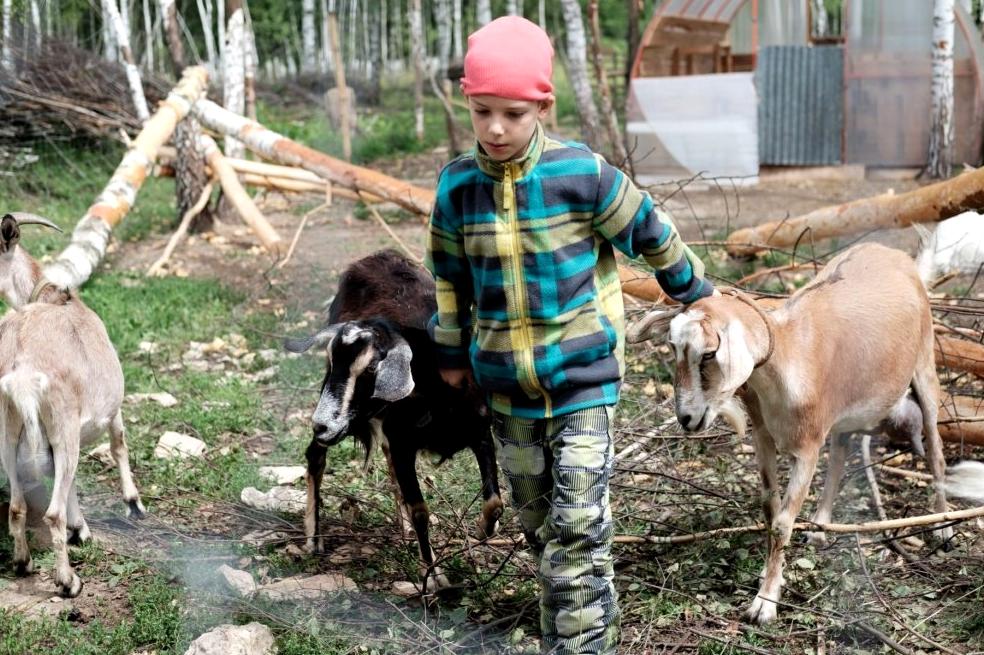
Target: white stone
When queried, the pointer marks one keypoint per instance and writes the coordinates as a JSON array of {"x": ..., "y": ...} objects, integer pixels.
[
  {"x": 282, "y": 474},
  {"x": 163, "y": 398},
  {"x": 261, "y": 538},
  {"x": 278, "y": 499},
  {"x": 250, "y": 639},
  {"x": 311, "y": 588},
  {"x": 240, "y": 582},
  {"x": 405, "y": 589},
  {"x": 103, "y": 453},
  {"x": 174, "y": 445}
]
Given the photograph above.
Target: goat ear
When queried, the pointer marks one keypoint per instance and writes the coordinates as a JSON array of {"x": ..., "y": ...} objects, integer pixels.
[
  {"x": 319, "y": 339},
  {"x": 9, "y": 233},
  {"x": 654, "y": 325},
  {"x": 393, "y": 379},
  {"x": 733, "y": 356}
]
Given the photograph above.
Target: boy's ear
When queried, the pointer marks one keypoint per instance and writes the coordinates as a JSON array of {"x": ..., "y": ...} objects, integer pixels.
[{"x": 545, "y": 106}]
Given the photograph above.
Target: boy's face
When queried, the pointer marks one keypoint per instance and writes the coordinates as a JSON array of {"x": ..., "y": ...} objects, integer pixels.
[{"x": 504, "y": 126}]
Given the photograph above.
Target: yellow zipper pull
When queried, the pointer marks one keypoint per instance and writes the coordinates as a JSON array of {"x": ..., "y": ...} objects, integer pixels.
[{"x": 507, "y": 188}]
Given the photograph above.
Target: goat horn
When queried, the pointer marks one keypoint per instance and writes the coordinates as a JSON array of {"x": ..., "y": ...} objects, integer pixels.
[
  {"x": 642, "y": 329},
  {"x": 23, "y": 218}
]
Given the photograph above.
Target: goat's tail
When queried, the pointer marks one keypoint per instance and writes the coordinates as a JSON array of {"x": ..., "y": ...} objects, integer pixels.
[
  {"x": 927, "y": 249},
  {"x": 966, "y": 480},
  {"x": 24, "y": 390}
]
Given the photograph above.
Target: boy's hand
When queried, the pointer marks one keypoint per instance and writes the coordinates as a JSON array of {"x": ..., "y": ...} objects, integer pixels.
[{"x": 459, "y": 378}]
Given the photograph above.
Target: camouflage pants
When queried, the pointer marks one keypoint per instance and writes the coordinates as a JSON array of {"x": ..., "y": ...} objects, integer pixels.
[{"x": 558, "y": 471}]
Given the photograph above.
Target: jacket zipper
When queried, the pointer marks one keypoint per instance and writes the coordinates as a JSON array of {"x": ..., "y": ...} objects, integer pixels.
[{"x": 525, "y": 356}]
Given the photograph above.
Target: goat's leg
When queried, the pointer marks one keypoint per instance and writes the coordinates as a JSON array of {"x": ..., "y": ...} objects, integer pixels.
[
  {"x": 17, "y": 512},
  {"x": 66, "y": 460},
  {"x": 121, "y": 453},
  {"x": 404, "y": 520},
  {"x": 492, "y": 506},
  {"x": 765, "y": 454},
  {"x": 78, "y": 529},
  {"x": 926, "y": 385},
  {"x": 404, "y": 467},
  {"x": 835, "y": 473},
  {"x": 316, "y": 454},
  {"x": 763, "y": 608}
]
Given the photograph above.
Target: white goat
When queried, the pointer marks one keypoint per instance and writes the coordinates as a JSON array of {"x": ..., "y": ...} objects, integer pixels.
[
  {"x": 852, "y": 351},
  {"x": 954, "y": 245},
  {"x": 61, "y": 386}
]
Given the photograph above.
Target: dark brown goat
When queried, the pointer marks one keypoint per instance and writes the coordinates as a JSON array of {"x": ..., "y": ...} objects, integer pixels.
[{"x": 382, "y": 385}]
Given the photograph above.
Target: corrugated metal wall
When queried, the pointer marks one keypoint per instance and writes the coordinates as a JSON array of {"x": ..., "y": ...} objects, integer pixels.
[{"x": 801, "y": 105}]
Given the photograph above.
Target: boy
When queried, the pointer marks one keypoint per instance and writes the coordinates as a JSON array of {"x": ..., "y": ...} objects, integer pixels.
[{"x": 530, "y": 309}]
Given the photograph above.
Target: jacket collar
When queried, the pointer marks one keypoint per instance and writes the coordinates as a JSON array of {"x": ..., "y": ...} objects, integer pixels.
[{"x": 526, "y": 161}]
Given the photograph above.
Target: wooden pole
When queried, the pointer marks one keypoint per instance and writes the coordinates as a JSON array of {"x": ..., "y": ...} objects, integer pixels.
[
  {"x": 933, "y": 202},
  {"x": 240, "y": 199},
  {"x": 343, "y": 103},
  {"x": 91, "y": 235}
]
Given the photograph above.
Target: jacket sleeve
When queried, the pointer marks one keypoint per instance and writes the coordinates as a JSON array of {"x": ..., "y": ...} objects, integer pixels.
[
  {"x": 450, "y": 327},
  {"x": 628, "y": 218}
]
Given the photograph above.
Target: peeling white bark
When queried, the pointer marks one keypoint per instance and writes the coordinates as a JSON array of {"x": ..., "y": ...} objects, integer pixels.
[
  {"x": 577, "y": 72},
  {"x": 7, "y": 51},
  {"x": 308, "y": 38},
  {"x": 87, "y": 248},
  {"x": 132, "y": 72},
  {"x": 941, "y": 130},
  {"x": 110, "y": 47},
  {"x": 483, "y": 12},
  {"x": 234, "y": 76},
  {"x": 417, "y": 54}
]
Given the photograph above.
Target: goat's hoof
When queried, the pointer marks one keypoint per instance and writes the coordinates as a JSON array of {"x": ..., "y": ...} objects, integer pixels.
[
  {"x": 136, "y": 509},
  {"x": 315, "y": 546},
  {"x": 71, "y": 588},
  {"x": 815, "y": 539},
  {"x": 24, "y": 568},
  {"x": 761, "y": 611}
]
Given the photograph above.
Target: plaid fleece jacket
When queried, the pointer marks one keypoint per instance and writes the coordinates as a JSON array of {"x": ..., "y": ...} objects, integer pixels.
[{"x": 528, "y": 293}]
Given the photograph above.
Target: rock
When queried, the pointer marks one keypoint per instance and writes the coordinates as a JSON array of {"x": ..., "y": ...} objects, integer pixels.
[
  {"x": 250, "y": 639},
  {"x": 282, "y": 474},
  {"x": 240, "y": 582},
  {"x": 311, "y": 588},
  {"x": 174, "y": 445},
  {"x": 405, "y": 589},
  {"x": 278, "y": 499},
  {"x": 103, "y": 454},
  {"x": 163, "y": 398}
]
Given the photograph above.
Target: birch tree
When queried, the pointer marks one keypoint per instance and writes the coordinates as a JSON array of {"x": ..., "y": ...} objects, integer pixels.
[
  {"x": 383, "y": 35},
  {"x": 542, "y": 15},
  {"x": 819, "y": 12},
  {"x": 110, "y": 47},
  {"x": 417, "y": 54},
  {"x": 326, "y": 63},
  {"x": 234, "y": 74},
  {"x": 7, "y": 52},
  {"x": 36, "y": 25},
  {"x": 457, "y": 49},
  {"x": 941, "y": 129},
  {"x": 442, "y": 17},
  {"x": 376, "y": 52},
  {"x": 483, "y": 12},
  {"x": 511, "y": 7},
  {"x": 205, "y": 14},
  {"x": 577, "y": 72},
  {"x": 148, "y": 36},
  {"x": 114, "y": 17},
  {"x": 308, "y": 40}
]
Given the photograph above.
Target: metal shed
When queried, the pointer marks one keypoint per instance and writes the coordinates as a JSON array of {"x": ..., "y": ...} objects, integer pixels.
[{"x": 858, "y": 95}]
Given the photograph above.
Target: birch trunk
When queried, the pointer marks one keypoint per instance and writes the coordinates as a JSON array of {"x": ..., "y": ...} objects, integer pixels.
[
  {"x": 189, "y": 174},
  {"x": 233, "y": 79},
  {"x": 252, "y": 64},
  {"x": 819, "y": 12},
  {"x": 483, "y": 12},
  {"x": 442, "y": 17},
  {"x": 632, "y": 34},
  {"x": 169, "y": 15},
  {"x": 376, "y": 53},
  {"x": 511, "y": 8},
  {"x": 620, "y": 156},
  {"x": 36, "y": 25},
  {"x": 398, "y": 32},
  {"x": 276, "y": 148},
  {"x": 417, "y": 52},
  {"x": 91, "y": 235},
  {"x": 308, "y": 40},
  {"x": 220, "y": 9},
  {"x": 148, "y": 37},
  {"x": 941, "y": 130},
  {"x": 326, "y": 58},
  {"x": 110, "y": 47},
  {"x": 7, "y": 51},
  {"x": 205, "y": 14},
  {"x": 129, "y": 63},
  {"x": 383, "y": 35},
  {"x": 457, "y": 50},
  {"x": 340, "y": 84},
  {"x": 578, "y": 74}
]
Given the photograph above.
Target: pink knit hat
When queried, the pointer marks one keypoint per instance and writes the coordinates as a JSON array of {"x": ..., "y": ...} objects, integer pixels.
[{"x": 510, "y": 58}]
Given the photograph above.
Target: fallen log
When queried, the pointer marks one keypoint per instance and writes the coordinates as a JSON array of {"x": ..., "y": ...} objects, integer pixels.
[
  {"x": 91, "y": 235},
  {"x": 282, "y": 150},
  {"x": 240, "y": 199},
  {"x": 957, "y": 422},
  {"x": 933, "y": 202},
  {"x": 959, "y": 354}
]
